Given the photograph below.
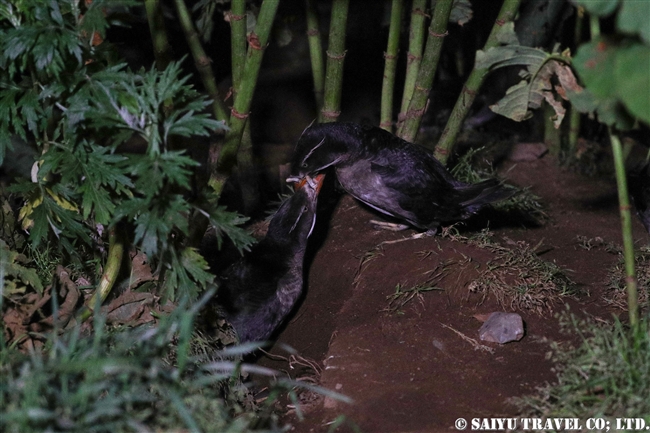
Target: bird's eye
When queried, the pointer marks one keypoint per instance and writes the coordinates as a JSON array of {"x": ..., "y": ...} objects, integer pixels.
[
  {"x": 304, "y": 209},
  {"x": 304, "y": 165}
]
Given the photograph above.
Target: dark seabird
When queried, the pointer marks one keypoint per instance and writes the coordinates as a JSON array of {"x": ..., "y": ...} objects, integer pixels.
[
  {"x": 257, "y": 292},
  {"x": 395, "y": 177}
]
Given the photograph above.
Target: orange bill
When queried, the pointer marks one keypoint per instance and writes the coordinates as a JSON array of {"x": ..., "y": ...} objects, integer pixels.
[{"x": 317, "y": 181}]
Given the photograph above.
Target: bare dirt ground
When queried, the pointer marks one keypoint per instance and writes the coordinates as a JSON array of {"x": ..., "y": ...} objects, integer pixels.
[{"x": 410, "y": 369}]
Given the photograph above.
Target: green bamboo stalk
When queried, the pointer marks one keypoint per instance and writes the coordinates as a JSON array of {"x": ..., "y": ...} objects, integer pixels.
[
  {"x": 335, "y": 57},
  {"x": 315, "y": 52},
  {"x": 626, "y": 225},
  {"x": 237, "y": 41},
  {"x": 414, "y": 56},
  {"x": 109, "y": 276},
  {"x": 257, "y": 42},
  {"x": 418, "y": 105},
  {"x": 472, "y": 85},
  {"x": 201, "y": 60},
  {"x": 161, "y": 47},
  {"x": 388, "y": 85},
  {"x": 245, "y": 164}
]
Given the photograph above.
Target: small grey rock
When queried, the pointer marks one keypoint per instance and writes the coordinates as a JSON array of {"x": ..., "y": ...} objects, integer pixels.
[{"x": 502, "y": 328}]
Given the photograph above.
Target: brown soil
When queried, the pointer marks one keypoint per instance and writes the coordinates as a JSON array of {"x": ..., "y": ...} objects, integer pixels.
[{"x": 411, "y": 370}]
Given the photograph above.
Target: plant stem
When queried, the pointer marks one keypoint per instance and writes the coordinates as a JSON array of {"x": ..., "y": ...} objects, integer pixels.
[
  {"x": 257, "y": 42},
  {"x": 552, "y": 136},
  {"x": 248, "y": 184},
  {"x": 161, "y": 48},
  {"x": 414, "y": 56},
  {"x": 472, "y": 85},
  {"x": 419, "y": 101},
  {"x": 237, "y": 41},
  {"x": 392, "y": 50},
  {"x": 315, "y": 52},
  {"x": 109, "y": 276},
  {"x": 626, "y": 225},
  {"x": 335, "y": 57},
  {"x": 245, "y": 166},
  {"x": 201, "y": 60}
]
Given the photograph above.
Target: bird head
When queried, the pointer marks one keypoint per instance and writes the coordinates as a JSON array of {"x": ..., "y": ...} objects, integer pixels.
[
  {"x": 296, "y": 217},
  {"x": 321, "y": 146}
]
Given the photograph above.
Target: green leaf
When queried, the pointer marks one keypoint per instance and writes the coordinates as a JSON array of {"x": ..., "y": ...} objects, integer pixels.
[
  {"x": 634, "y": 18},
  {"x": 616, "y": 72},
  {"x": 514, "y": 105},
  {"x": 599, "y": 8},
  {"x": 595, "y": 62},
  {"x": 609, "y": 110},
  {"x": 510, "y": 55},
  {"x": 632, "y": 79},
  {"x": 196, "y": 266},
  {"x": 227, "y": 223},
  {"x": 12, "y": 270}
]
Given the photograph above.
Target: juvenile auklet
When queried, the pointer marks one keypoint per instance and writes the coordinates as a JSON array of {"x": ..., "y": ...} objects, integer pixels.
[
  {"x": 256, "y": 293},
  {"x": 395, "y": 177}
]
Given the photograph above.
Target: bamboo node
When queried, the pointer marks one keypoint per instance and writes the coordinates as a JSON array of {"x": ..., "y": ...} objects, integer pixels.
[
  {"x": 336, "y": 56},
  {"x": 419, "y": 11},
  {"x": 422, "y": 89},
  {"x": 389, "y": 56},
  {"x": 229, "y": 17},
  {"x": 412, "y": 57},
  {"x": 238, "y": 115},
  {"x": 313, "y": 32},
  {"x": 386, "y": 124},
  {"x": 500, "y": 22},
  {"x": 412, "y": 114},
  {"x": 254, "y": 41},
  {"x": 330, "y": 114},
  {"x": 438, "y": 35},
  {"x": 203, "y": 61},
  {"x": 229, "y": 93},
  {"x": 441, "y": 151},
  {"x": 469, "y": 91},
  {"x": 626, "y": 207}
]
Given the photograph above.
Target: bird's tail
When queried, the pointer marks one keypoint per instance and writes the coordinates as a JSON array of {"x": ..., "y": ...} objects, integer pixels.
[{"x": 474, "y": 197}]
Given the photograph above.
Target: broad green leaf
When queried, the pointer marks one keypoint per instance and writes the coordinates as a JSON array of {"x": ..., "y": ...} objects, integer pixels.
[
  {"x": 514, "y": 105},
  {"x": 609, "y": 110},
  {"x": 526, "y": 96},
  {"x": 510, "y": 55},
  {"x": 632, "y": 79},
  {"x": 595, "y": 63},
  {"x": 634, "y": 18}
]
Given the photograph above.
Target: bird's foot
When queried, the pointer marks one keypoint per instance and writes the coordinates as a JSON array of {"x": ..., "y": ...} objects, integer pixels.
[{"x": 385, "y": 225}]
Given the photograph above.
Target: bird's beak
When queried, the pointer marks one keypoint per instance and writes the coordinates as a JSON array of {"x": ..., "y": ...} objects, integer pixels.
[{"x": 315, "y": 182}]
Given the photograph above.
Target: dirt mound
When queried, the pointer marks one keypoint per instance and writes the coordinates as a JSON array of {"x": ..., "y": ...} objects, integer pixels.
[{"x": 392, "y": 324}]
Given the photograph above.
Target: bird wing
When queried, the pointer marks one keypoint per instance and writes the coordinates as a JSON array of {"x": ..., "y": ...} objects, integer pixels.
[{"x": 421, "y": 184}]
